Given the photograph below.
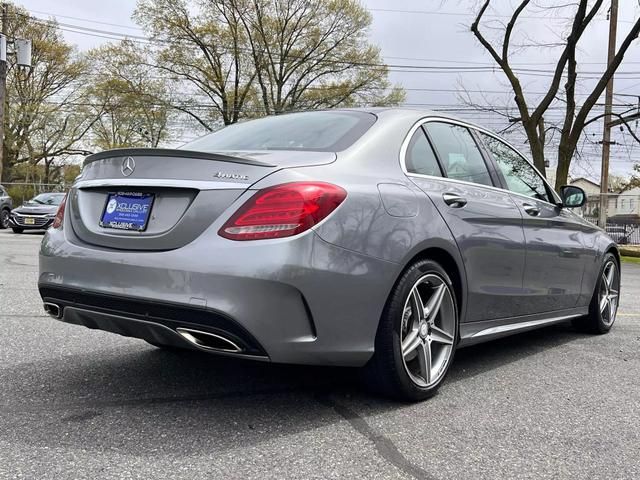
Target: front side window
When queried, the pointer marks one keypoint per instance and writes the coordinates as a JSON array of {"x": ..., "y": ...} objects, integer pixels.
[
  {"x": 519, "y": 174},
  {"x": 420, "y": 157},
  {"x": 460, "y": 156}
]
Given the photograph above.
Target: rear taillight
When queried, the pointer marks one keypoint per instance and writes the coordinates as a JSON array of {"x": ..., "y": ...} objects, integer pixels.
[
  {"x": 283, "y": 210},
  {"x": 57, "y": 221}
]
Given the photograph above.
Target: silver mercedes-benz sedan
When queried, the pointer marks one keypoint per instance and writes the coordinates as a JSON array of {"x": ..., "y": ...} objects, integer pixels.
[{"x": 381, "y": 238}]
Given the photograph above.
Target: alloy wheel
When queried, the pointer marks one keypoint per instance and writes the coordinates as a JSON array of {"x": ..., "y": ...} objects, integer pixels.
[
  {"x": 428, "y": 330},
  {"x": 609, "y": 291}
]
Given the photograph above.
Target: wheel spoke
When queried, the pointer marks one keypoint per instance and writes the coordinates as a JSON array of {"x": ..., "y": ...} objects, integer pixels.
[
  {"x": 424, "y": 359},
  {"x": 604, "y": 301},
  {"x": 609, "y": 276},
  {"x": 440, "y": 336},
  {"x": 433, "y": 305},
  {"x": 612, "y": 310},
  {"x": 411, "y": 342},
  {"x": 605, "y": 285},
  {"x": 418, "y": 303}
]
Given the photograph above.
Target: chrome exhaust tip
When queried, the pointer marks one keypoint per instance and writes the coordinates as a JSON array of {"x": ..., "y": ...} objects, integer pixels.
[
  {"x": 53, "y": 309},
  {"x": 209, "y": 341}
]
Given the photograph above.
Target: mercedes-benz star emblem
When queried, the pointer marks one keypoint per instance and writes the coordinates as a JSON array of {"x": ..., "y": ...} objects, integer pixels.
[{"x": 128, "y": 166}]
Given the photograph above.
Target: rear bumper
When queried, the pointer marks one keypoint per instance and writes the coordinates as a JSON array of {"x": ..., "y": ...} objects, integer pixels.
[
  {"x": 156, "y": 322},
  {"x": 298, "y": 300}
]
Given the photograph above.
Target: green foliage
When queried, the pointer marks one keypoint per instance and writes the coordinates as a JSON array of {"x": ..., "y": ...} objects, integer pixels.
[
  {"x": 44, "y": 119},
  {"x": 32, "y": 180},
  {"x": 211, "y": 61},
  {"x": 247, "y": 58},
  {"x": 203, "y": 49},
  {"x": 129, "y": 101},
  {"x": 312, "y": 54},
  {"x": 21, "y": 193}
]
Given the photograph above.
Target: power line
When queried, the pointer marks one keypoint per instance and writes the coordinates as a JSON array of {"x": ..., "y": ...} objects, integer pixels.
[
  {"x": 87, "y": 20},
  {"x": 54, "y": 15},
  {"x": 397, "y": 68}
]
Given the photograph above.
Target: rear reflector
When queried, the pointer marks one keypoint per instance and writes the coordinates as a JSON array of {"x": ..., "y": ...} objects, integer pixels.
[
  {"x": 283, "y": 210},
  {"x": 57, "y": 221}
]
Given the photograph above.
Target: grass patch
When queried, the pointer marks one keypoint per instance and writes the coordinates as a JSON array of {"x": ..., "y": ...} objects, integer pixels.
[{"x": 630, "y": 259}]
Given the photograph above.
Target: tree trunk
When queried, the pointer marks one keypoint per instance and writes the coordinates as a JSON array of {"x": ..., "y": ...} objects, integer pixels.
[
  {"x": 565, "y": 154},
  {"x": 537, "y": 148},
  {"x": 47, "y": 170}
]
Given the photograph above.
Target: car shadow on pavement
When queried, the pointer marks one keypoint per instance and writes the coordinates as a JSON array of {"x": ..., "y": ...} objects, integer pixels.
[{"x": 139, "y": 400}]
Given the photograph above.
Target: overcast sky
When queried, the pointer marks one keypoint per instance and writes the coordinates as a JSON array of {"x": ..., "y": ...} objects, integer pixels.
[{"x": 436, "y": 33}]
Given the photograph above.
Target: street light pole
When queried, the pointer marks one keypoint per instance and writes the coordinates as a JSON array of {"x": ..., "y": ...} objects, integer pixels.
[{"x": 606, "y": 135}]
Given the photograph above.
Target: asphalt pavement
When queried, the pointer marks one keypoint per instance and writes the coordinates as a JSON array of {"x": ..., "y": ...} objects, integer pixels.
[{"x": 77, "y": 403}]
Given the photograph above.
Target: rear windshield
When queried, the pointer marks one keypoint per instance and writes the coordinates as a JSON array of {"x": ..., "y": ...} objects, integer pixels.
[{"x": 313, "y": 131}]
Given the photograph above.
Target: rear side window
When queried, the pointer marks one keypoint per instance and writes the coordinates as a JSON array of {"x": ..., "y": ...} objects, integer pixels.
[
  {"x": 330, "y": 131},
  {"x": 420, "y": 157},
  {"x": 460, "y": 156},
  {"x": 518, "y": 173}
]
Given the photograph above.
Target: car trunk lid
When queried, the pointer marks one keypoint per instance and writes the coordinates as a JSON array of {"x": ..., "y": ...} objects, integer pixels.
[{"x": 185, "y": 192}]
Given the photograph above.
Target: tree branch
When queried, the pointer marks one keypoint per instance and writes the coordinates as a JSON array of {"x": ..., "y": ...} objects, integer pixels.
[{"x": 588, "y": 104}]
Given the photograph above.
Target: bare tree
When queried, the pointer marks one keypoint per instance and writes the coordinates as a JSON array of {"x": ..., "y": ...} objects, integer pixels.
[
  {"x": 133, "y": 101},
  {"x": 203, "y": 49},
  {"x": 246, "y": 58},
  {"x": 575, "y": 117},
  {"x": 58, "y": 135},
  {"x": 312, "y": 53}
]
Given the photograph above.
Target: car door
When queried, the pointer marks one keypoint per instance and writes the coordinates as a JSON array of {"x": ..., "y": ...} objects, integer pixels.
[
  {"x": 555, "y": 253},
  {"x": 448, "y": 166}
]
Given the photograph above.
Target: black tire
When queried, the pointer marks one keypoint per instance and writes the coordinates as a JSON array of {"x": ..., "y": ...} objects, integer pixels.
[
  {"x": 4, "y": 219},
  {"x": 17, "y": 230},
  {"x": 595, "y": 322},
  {"x": 386, "y": 373}
]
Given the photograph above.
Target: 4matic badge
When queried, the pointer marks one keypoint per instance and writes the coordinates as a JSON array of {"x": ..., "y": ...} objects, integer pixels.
[{"x": 231, "y": 176}]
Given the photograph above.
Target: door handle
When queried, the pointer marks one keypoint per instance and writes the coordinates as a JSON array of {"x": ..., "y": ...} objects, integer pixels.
[
  {"x": 531, "y": 209},
  {"x": 454, "y": 200}
]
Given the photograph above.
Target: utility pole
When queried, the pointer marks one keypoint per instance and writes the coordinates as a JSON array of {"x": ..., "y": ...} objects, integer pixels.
[
  {"x": 3, "y": 84},
  {"x": 606, "y": 135}
]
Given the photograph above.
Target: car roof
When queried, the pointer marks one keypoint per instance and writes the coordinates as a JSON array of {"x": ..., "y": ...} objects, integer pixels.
[{"x": 418, "y": 113}]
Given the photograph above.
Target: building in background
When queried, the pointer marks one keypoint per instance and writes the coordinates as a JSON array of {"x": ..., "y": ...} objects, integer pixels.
[
  {"x": 622, "y": 207},
  {"x": 590, "y": 188}
]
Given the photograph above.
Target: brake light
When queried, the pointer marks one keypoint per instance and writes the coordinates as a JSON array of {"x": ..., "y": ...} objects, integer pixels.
[
  {"x": 57, "y": 221},
  {"x": 283, "y": 210}
]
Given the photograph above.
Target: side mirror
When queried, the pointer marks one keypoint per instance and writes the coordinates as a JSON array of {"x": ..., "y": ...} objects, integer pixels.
[{"x": 572, "y": 196}]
